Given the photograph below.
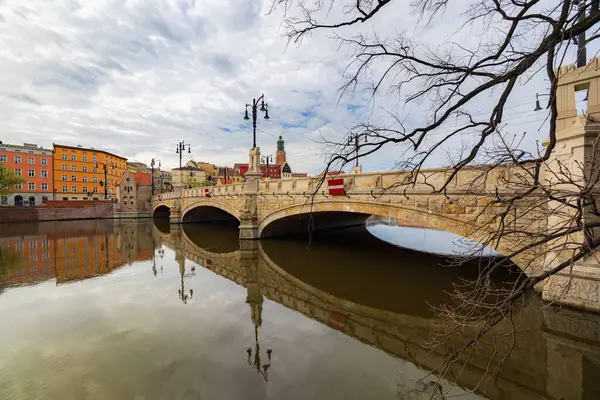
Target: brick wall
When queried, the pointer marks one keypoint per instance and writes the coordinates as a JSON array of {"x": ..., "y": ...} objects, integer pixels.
[{"x": 29, "y": 214}]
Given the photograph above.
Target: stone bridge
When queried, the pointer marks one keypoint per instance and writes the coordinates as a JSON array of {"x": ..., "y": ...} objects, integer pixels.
[
  {"x": 281, "y": 207},
  {"x": 466, "y": 208},
  {"x": 535, "y": 369}
]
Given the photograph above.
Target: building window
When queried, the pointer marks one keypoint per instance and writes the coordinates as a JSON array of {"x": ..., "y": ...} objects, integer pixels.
[
  {"x": 18, "y": 171},
  {"x": 95, "y": 160},
  {"x": 44, "y": 174},
  {"x": 73, "y": 178},
  {"x": 64, "y": 177},
  {"x": 85, "y": 178},
  {"x": 45, "y": 243},
  {"x": 64, "y": 167},
  {"x": 95, "y": 189},
  {"x": 73, "y": 157},
  {"x": 32, "y": 244},
  {"x": 31, "y": 186},
  {"x": 95, "y": 179},
  {"x": 74, "y": 189},
  {"x": 2, "y": 158},
  {"x": 17, "y": 160},
  {"x": 85, "y": 189},
  {"x": 64, "y": 157},
  {"x": 31, "y": 160},
  {"x": 31, "y": 173},
  {"x": 94, "y": 169},
  {"x": 84, "y": 159},
  {"x": 84, "y": 169},
  {"x": 44, "y": 161},
  {"x": 44, "y": 186},
  {"x": 18, "y": 186},
  {"x": 65, "y": 189},
  {"x": 73, "y": 168}
]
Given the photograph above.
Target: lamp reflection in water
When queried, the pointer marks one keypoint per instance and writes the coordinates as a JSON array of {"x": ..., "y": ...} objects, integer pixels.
[
  {"x": 255, "y": 299},
  {"x": 183, "y": 296}
]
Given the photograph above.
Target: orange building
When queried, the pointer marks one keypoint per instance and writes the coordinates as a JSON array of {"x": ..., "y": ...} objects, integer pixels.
[
  {"x": 81, "y": 257},
  {"x": 28, "y": 258},
  {"x": 71, "y": 255},
  {"x": 34, "y": 165},
  {"x": 86, "y": 173}
]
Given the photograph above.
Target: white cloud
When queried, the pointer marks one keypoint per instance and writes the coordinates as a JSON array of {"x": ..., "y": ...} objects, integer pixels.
[{"x": 134, "y": 77}]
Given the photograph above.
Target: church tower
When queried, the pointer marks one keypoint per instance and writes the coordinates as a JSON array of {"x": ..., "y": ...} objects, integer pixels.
[{"x": 280, "y": 157}]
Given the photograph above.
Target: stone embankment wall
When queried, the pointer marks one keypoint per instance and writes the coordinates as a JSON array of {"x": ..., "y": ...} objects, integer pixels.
[{"x": 31, "y": 214}]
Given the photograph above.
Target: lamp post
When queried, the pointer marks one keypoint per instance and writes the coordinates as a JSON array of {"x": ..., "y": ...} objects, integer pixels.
[
  {"x": 105, "y": 168},
  {"x": 537, "y": 101},
  {"x": 254, "y": 107},
  {"x": 180, "y": 149},
  {"x": 354, "y": 138},
  {"x": 152, "y": 168},
  {"x": 224, "y": 173},
  {"x": 267, "y": 159}
]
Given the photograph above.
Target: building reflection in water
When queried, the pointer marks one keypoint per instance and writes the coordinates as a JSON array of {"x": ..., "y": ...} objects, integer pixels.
[
  {"x": 375, "y": 294},
  {"x": 556, "y": 354},
  {"x": 70, "y": 251}
]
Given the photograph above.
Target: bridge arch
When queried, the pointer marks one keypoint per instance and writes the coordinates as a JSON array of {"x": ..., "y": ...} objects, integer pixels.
[
  {"x": 343, "y": 213},
  {"x": 161, "y": 210},
  {"x": 208, "y": 210}
]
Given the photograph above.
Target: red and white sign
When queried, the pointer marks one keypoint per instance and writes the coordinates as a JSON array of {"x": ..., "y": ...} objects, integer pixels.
[
  {"x": 159, "y": 197},
  {"x": 336, "y": 187},
  {"x": 337, "y": 321},
  {"x": 206, "y": 192}
]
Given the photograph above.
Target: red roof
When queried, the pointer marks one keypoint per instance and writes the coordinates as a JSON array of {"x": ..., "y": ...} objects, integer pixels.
[{"x": 142, "y": 178}]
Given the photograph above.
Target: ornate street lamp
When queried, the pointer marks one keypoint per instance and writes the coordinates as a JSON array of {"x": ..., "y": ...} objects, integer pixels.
[
  {"x": 255, "y": 108},
  {"x": 267, "y": 159},
  {"x": 354, "y": 138},
  {"x": 180, "y": 149}
]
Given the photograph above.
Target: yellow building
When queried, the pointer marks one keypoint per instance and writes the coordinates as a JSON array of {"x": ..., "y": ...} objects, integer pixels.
[
  {"x": 188, "y": 177},
  {"x": 210, "y": 169},
  {"x": 80, "y": 173}
]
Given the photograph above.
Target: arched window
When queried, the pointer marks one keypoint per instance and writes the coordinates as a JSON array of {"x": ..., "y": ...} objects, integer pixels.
[
  {"x": 18, "y": 200},
  {"x": 31, "y": 201},
  {"x": 44, "y": 199},
  {"x": 3, "y": 200}
]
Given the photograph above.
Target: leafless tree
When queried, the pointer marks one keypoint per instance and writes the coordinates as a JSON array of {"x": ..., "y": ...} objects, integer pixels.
[{"x": 519, "y": 39}]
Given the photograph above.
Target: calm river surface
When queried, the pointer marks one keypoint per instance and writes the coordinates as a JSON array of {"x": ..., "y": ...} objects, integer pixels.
[{"x": 144, "y": 310}]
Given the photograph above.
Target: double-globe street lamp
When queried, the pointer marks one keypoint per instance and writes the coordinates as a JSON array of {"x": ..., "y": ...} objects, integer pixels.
[
  {"x": 255, "y": 108},
  {"x": 181, "y": 146},
  {"x": 267, "y": 159},
  {"x": 105, "y": 168},
  {"x": 152, "y": 168},
  {"x": 355, "y": 138}
]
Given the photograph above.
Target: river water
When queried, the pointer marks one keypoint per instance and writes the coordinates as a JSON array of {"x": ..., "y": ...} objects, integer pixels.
[{"x": 144, "y": 310}]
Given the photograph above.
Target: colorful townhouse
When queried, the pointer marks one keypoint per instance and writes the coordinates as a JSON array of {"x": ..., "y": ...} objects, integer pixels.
[
  {"x": 34, "y": 165},
  {"x": 82, "y": 173}
]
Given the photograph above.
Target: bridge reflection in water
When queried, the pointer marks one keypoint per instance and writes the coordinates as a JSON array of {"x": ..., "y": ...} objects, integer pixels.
[
  {"x": 382, "y": 301},
  {"x": 349, "y": 281}
]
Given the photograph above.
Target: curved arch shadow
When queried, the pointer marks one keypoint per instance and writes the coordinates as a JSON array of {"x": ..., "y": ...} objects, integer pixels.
[
  {"x": 342, "y": 263},
  {"x": 161, "y": 211},
  {"x": 310, "y": 223},
  {"x": 163, "y": 225},
  {"x": 207, "y": 213},
  {"x": 216, "y": 238}
]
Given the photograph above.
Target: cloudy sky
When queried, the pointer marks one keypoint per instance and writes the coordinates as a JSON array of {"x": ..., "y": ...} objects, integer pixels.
[{"x": 136, "y": 76}]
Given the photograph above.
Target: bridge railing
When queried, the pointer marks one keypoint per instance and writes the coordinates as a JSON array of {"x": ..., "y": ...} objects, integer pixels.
[{"x": 470, "y": 180}]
